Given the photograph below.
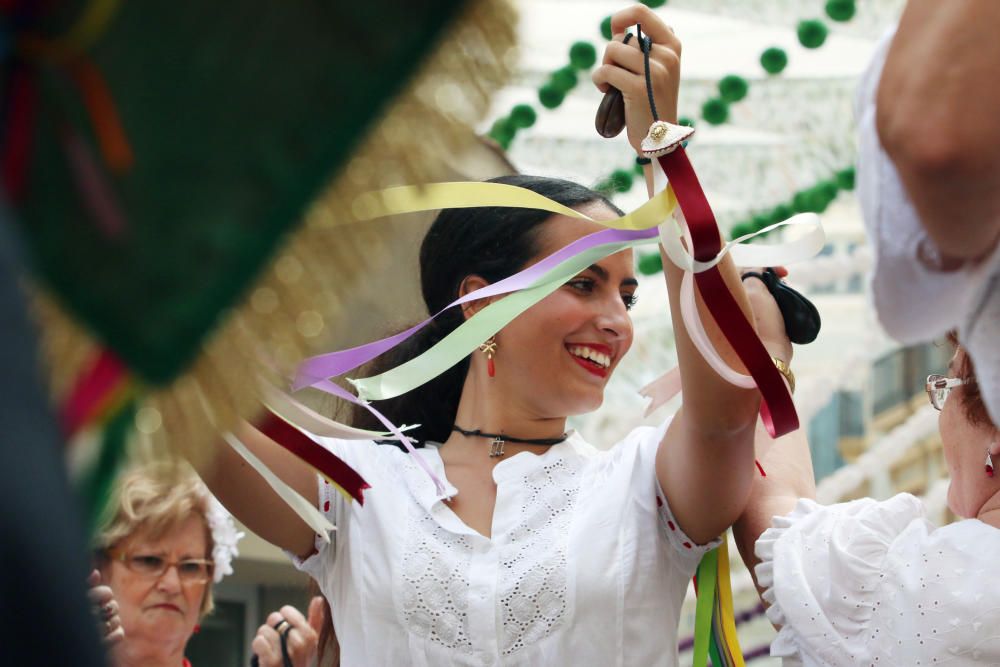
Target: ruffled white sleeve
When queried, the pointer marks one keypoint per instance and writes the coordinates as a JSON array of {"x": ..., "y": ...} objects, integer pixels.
[{"x": 822, "y": 568}]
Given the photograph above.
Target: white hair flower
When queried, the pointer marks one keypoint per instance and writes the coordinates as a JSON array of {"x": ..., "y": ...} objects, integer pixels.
[{"x": 224, "y": 537}]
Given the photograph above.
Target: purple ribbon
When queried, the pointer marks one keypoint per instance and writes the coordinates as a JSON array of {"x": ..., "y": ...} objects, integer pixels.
[{"x": 316, "y": 370}]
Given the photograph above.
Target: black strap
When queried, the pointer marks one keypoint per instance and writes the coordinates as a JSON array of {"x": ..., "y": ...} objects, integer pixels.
[
  {"x": 283, "y": 627},
  {"x": 646, "y": 45},
  {"x": 506, "y": 438},
  {"x": 286, "y": 659}
]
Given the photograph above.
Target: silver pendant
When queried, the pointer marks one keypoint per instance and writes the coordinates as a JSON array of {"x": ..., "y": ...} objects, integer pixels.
[{"x": 496, "y": 447}]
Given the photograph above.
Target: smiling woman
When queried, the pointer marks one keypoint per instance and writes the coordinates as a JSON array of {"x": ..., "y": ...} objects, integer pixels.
[
  {"x": 164, "y": 540},
  {"x": 542, "y": 549},
  {"x": 466, "y": 249}
]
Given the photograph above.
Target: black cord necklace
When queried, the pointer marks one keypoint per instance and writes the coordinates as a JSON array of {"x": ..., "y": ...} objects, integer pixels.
[{"x": 496, "y": 446}]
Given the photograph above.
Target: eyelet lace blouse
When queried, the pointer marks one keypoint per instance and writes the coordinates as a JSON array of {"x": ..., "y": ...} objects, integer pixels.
[
  {"x": 873, "y": 583},
  {"x": 585, "y": 566}
]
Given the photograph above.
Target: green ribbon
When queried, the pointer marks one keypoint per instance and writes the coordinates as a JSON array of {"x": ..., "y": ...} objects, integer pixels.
[
  {"x": 96, "y": 488},
  {"x": 468, "y": 336},
  {"x": 708, "y": 570}
]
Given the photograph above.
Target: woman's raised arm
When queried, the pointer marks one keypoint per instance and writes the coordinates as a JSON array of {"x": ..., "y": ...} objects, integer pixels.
[
  {"x": 252, "y": 500},
  {"x": 705, "y": 462}
]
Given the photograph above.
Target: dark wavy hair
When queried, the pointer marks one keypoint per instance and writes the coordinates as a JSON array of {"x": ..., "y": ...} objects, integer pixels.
[{"x": 491, "y": 242}]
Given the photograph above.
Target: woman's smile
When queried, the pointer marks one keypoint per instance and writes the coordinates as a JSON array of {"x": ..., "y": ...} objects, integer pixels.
[{"x": 595, "y": 358}]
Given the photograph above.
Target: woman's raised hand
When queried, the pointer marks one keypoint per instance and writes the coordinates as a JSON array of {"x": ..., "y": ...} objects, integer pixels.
[
  {"x": 301, "y": 636},
  {"x": 768, "y": 321},
  {"x": 623, "y": 68}
]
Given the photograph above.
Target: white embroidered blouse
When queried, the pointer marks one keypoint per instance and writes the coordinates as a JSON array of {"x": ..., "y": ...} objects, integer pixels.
[
  {"x": 586, "y": 565},
  {"x": 874, "y": 583}
]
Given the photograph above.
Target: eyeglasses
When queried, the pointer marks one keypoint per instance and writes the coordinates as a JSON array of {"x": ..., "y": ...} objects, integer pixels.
[
  {"x": 189, "y": 570},
  {"x": 938, "y": 387}
]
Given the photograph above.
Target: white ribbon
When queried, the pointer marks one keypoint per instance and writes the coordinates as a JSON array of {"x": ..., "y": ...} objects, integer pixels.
[
  {"x": 672, "y": 232},
  {"x": 306, "y": 510}
]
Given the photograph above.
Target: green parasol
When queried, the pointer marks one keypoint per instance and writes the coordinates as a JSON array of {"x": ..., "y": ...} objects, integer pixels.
[{"x": 184, "y": 174}]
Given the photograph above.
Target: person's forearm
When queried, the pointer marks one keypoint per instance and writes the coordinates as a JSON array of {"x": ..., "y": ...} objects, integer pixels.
[
  {"x": 937, "y": 110},
  {"x": 712, "y": 405},
  {"x": 252, "y": 500},
  {"x": 705, "y": 462},
  {"x": 788, "y": 466}
]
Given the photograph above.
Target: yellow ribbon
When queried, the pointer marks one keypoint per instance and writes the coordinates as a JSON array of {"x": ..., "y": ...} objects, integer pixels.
[
  {"x": 727, "y": 615},
  {"x": 434, "y": 196}
]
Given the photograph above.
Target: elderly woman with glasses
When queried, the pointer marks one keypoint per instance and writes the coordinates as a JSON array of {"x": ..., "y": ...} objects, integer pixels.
[
  {"x": 874, "y": 583},
  {"x": 165, "y": 540}
]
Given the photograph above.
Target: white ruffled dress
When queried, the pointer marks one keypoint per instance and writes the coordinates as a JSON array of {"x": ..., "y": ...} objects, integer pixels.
[{"x": 873, "y": 583}]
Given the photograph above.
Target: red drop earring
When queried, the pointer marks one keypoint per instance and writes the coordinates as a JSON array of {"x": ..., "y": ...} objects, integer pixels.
[
  {"x": 489, "y": 348},
  {"x": 989, "y": 464}
]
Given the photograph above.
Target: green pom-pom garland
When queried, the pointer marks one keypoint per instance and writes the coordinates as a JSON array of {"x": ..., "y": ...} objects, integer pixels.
[
  {"x": 523, "y": 115},
  {"x": 715, "y": 111},
  {"x": 845, "y": 179},
  {"x": 650, "y": 263},
  {"x": 582, "y": 55},
  {"x": 760, "y": 221},
  {"x": 564, "y": 79},
  {"x": 741, "y": 229},
  {"x": 812, "y": 200},
  {"x": 606, "y": 28},
  {"x": 733, "y": 88},
  {"x": 503, "y": 131},
  {"x": 829, "y": 190},
  {"x": 621, "y": 180},
  {"x": 812, "y": 33},
  {"x": 550, "y": 96},
  {"x": 782, "y": 212},
  {"x": 841, "y": 10},
  {"x": 774, "y": 60}
]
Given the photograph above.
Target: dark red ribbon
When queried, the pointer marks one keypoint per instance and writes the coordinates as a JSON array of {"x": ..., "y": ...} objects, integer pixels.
[
  {"x": 776, "y": 409},
  {"x": 302, "y": 446},
  {"x": 90, "y": 392}
]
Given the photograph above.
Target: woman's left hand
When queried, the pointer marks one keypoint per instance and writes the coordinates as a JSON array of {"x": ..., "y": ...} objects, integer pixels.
[
  {"x": 768, "y": 320},
  {"x": 301, "y": 636},
  {"x": 623, "y": 68}
]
